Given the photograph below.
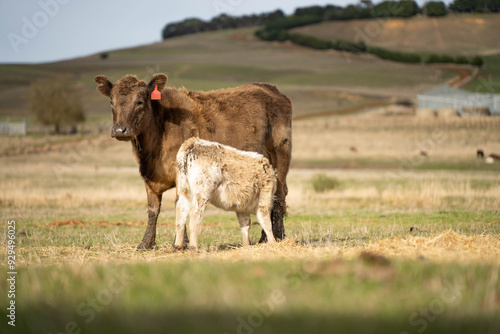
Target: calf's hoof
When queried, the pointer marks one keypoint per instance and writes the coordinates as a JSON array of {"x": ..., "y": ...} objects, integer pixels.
[
  {"x": 178, "y": 248},
  {"x": 194, "y": 249}
]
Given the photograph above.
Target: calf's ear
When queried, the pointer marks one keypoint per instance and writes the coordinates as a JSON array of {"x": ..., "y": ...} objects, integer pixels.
[
  {"x": 159, "y": 79},
  {"x": 104, "y": 85}
]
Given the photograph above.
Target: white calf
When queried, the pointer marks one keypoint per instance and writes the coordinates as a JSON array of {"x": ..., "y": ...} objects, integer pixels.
[{"x": 229, "y": 179}]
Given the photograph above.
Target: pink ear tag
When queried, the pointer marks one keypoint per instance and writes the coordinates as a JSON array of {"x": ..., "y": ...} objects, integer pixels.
[{"x": 155, "y": 94}]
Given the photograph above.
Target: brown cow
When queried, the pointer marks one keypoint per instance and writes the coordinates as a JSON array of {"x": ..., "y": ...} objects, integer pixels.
[{"x": 254, "y": 117}]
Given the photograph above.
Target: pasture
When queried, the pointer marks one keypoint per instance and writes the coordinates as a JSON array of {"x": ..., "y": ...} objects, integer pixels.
[{"x": 380, "y": 238}]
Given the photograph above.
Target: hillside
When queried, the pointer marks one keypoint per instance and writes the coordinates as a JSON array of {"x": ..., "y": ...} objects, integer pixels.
[
  {"x": 464, "y": 34},
  {"x": 315, "y": 81}
]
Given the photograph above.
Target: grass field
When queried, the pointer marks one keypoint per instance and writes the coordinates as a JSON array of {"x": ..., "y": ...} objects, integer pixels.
[
  {"x": 392, "y": 242},
  {"x": 487, "y": 80}
]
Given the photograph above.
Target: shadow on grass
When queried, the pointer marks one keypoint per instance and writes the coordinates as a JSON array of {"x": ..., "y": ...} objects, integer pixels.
[{"x": 55, "y": 320}]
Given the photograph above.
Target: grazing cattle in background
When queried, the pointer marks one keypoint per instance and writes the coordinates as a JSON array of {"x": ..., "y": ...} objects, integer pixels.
[
  {"x": 229, "y": 179},
  {"x": 489, "y": 159},
  {"x": 494, "y": 156},
  {"x": 254, "y": 117}
]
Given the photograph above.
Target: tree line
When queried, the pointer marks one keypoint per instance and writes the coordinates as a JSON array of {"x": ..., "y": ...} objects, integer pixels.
[
  {"x": 314, "y": 14},
  {"x": 221, "y": 22},
  {"x": 360, "y": 47}
]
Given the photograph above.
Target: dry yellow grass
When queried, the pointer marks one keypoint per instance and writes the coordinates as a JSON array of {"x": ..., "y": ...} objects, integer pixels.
[
  {"x": 394, "y": 137},
  {"x": 104, "y": 178},
  {"x": 445, "y": 247}
]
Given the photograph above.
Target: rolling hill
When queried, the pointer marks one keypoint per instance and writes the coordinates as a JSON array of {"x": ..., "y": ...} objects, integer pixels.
[
  {"x": 315, "y": 81},
  {"x": 464, "y": 34}
]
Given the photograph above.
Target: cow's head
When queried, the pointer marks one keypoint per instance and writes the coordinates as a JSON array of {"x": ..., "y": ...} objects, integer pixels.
[{"x": 130, "y": 100}]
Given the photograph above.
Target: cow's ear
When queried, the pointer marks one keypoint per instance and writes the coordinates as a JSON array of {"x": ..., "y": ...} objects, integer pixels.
[
  {"x": 105, "y": 85},
  {"x": 159, "y": 79}
]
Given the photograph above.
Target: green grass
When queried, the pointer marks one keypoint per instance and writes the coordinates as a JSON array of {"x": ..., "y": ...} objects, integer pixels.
[
  {"x": 279, "y": 297},
  {"x": 288, "y": 296},
  {"x": 321, "y": 183},
  {"x": 399, "y": 167},
  {"x": 488, "y": 80}
]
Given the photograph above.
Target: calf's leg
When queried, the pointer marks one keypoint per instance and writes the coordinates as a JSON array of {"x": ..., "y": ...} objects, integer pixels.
[
  {"x": 181, "y": 215},
  {"x": 154, "y": 206},
  {"x": 264, "y": 217},
  {"x": 245, "y": 222},
  {"x": 195, "y": 216}
]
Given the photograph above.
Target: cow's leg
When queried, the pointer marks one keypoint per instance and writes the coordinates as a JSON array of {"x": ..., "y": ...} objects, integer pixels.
[
  {"x": 195, "y": 216},
  {"x": 154, "y": 206},
  {"x": 245, "y": 222},
  {"x": 280, "y": 156},
  {"x": 181, "y": 215}
]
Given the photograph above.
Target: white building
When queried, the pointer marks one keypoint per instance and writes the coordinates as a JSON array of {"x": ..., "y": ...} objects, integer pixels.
[{"x": 447, "y": 97}]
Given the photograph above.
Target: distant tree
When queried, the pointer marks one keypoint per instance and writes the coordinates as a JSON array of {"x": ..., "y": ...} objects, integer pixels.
[
  {"x": 492, "y": 5},
  {"x": 367, "y": 3},
  {"x": 477, "y": 61},
  {"x": 408, "y": 8},
  {"x": 350, "y": 12},
  {"x": 55, "y": 102},
  {"x": 467, "y": 6},
  {"x": 310, "y": 41},
  {"x": 332, "y": 12},
  {"x": 313, "y": 10},
  {"x": 436, "y": 8},
  {"x": 461, "y": 60},
  {"x": 223, "y": 21}
]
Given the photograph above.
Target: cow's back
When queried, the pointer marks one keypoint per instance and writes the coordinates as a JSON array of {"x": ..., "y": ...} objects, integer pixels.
[{"x": 241, "y": 117}]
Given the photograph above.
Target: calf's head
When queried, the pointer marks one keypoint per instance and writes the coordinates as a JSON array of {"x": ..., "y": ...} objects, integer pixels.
[{"x": 131, "y": 104}]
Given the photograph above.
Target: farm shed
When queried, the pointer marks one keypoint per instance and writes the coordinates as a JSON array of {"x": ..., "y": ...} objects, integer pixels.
[
  {"x": 448, "y": 97},
  {"x": 13, "y": 128}
]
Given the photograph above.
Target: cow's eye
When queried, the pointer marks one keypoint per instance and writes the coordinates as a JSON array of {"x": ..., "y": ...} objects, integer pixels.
[
  {"x": 111, "y": 102},
  {"x": 139, "y": 103}
]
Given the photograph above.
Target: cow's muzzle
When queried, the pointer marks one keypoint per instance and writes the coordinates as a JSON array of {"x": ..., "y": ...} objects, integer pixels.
[{"x": 122, "y": 132}]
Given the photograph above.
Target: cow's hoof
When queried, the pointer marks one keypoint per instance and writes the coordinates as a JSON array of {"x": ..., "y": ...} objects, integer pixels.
[{"x": 146, "y": 246}]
